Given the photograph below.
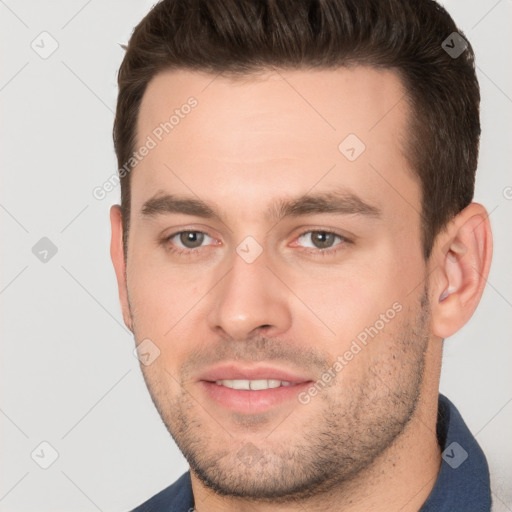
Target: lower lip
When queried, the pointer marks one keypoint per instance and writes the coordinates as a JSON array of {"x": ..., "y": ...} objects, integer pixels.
[{"x": 250, "y": 402}]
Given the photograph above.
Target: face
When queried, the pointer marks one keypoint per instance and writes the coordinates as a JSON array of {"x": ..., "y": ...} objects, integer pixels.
[{"x": 274, "y": 260}]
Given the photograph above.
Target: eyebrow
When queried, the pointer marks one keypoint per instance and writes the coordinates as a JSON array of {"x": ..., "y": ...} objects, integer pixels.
[
  {"x": 343, "y": 202},
  {"x": 168, "y": 203}
]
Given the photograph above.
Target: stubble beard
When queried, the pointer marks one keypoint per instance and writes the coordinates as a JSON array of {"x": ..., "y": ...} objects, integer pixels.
[{"x": 330, "y": 450}]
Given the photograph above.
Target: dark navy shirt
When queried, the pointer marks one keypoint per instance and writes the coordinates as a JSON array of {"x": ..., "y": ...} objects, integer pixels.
[{"x": 462, "y": 484}]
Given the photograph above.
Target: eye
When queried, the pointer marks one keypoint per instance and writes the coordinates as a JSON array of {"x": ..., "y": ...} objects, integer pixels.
[
  {"x": 320, "y": 239},
  {"x": 189, "y": 239}
]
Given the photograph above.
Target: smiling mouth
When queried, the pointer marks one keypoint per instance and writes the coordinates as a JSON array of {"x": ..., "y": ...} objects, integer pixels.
[{"x": 252, "y": 389}]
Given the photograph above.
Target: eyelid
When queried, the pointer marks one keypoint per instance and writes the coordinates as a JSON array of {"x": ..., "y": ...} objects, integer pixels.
[{"x": 205, "y": 230}]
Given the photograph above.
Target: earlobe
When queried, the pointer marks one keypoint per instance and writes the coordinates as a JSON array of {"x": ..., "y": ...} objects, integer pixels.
[
  {"x": 118, "y": 260},
  {"x": 463, "y": 258}
]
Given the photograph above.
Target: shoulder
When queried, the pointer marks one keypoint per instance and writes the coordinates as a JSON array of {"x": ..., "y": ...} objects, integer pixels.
[{"x": 175, "y": 498}]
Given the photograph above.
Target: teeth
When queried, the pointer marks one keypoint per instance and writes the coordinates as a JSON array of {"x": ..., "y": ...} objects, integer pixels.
[{"x": 254, "y": 385}]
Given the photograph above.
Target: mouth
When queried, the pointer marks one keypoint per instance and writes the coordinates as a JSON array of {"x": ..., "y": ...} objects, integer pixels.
[{"x": 251, "y": 390}]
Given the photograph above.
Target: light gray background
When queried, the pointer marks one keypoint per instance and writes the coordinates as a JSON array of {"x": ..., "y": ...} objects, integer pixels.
[{"x": 68, "y": 374}]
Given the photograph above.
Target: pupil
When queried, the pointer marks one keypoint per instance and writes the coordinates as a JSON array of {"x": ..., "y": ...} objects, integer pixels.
[
  {"x": 191, "y": 239},
  {"x": 322, "y": 239}
]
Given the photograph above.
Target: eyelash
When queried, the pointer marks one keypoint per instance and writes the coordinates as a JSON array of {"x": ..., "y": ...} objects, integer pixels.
[{"x": 166, "y": 242}]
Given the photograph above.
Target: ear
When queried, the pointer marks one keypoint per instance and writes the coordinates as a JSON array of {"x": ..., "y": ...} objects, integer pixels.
[
  {"x": 118, "y": 259},
  {"x": 460, "y": 263}
]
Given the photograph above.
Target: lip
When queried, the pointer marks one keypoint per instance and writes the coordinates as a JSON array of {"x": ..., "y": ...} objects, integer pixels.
[
  {"x": 249, "y": 401},
  {"x": 236, "y": 371}
]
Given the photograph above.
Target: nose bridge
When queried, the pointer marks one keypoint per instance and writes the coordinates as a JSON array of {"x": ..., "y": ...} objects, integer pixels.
[{"x": 249, "y": 297}]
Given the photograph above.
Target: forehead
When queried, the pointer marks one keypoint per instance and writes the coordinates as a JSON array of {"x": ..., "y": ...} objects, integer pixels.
[{"x": 279, "y": 130}]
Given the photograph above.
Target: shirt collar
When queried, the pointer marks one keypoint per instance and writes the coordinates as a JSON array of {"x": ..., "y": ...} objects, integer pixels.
[{"x": 463, "y": 479}]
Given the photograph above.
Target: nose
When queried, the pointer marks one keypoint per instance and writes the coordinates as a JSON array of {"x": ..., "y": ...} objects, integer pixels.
[{"x": 250, "y": 300}]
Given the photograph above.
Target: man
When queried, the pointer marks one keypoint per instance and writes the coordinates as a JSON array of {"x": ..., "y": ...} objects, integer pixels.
[{"x": 295, "y": 240}]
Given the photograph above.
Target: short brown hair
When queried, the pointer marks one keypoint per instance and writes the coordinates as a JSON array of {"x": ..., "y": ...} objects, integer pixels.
[{"x": 242, "y": 36}]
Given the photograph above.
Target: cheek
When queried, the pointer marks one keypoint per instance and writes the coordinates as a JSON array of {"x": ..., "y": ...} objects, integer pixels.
[
  {"x": 348, "y": 303},
  {"x": 158, "y": 297},
  {"x": 349, "y": 309},
  {"x": 160, "y": 309}
]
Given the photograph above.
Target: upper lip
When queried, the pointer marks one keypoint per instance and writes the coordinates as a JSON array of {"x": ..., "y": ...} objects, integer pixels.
[{"x": 232, "y": 371}]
